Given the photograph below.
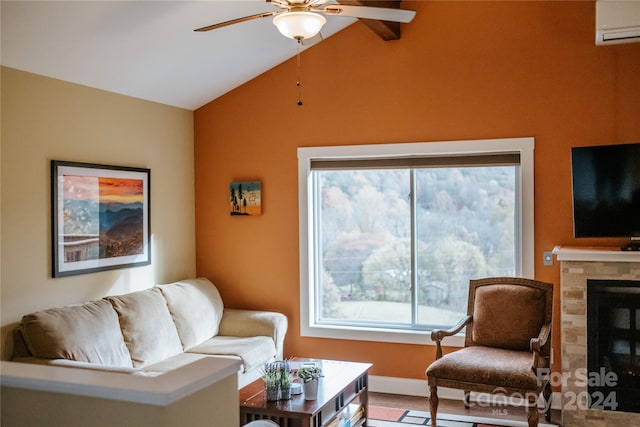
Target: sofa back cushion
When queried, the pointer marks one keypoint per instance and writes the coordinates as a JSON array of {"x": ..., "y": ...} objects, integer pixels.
[
  {"x": 196, "y": 308},
  {"x": 147, "y": 327},
  {"x": 87, "y": 333}
]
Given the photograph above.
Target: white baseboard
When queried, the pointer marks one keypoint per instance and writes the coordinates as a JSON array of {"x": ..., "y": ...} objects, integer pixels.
[
  {"x": 413, "y": 387},
  {"x": 393, "y": 385}
]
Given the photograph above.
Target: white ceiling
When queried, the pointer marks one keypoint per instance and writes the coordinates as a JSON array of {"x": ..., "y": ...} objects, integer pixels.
[{"x": 146, "y": 49}]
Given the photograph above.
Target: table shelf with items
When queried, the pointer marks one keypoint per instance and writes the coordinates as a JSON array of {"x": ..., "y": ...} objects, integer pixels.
[
  {"x": 353, "y": 415},
  {"x": 341, "y": 401}
]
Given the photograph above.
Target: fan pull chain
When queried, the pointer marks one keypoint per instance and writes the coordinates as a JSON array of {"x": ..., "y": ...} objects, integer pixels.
[{"x": 298, "y": 84}]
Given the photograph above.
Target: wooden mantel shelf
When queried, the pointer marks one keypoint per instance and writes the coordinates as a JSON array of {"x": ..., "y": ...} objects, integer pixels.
[{"x": 595, "y": 254}]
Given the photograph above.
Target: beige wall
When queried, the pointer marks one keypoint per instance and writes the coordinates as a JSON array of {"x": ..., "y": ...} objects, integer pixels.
[{"x": 45, "y": 119}]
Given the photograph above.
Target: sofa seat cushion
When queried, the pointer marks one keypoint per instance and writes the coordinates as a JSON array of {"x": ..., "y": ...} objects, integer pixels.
[
  {"x": 147, "y": 327},
  {"x": 487, "y": 365},
  {"x": 196, "y": 308},
  {"x": 254, "y": 351},
  {"x": 169, "y": 364},
  {"x": 86, "y": 333}
]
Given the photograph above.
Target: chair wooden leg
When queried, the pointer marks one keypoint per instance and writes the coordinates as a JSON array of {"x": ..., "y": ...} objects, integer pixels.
[
  {"x": 467, "y": 396},
  {"x": 547, "y": 401},
  {"x": 532, "y": 414},
  {"x": 433, "y": 404}
]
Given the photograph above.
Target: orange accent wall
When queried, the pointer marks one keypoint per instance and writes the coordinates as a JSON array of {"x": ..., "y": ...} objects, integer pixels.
[{"x": 462, "y": 70}]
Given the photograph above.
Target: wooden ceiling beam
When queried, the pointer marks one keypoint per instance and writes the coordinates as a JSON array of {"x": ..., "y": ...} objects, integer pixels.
[{"x": 385, "y": 29}]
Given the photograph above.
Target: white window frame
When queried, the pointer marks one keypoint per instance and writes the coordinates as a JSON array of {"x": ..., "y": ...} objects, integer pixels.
[{"x": 524, "y": 216}]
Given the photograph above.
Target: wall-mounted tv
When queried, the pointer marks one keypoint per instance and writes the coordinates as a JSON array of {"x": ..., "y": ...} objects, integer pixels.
[{"x": 606, "y": 191}]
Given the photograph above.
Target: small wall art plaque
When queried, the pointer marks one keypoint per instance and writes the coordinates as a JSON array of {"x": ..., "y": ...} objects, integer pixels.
[{"x": 245, "y": 198}]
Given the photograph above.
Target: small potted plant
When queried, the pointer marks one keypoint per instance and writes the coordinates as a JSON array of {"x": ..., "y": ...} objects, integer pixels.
[
  {"x": 309, "y": 376},
  {"x": 277, "y": 380},
  {"x": 285, "y": 380},
  {"x": 271, "y": 381}
]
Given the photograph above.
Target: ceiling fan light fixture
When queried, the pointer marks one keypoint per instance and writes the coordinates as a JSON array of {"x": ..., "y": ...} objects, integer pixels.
[{"x": 299, "y": 25}]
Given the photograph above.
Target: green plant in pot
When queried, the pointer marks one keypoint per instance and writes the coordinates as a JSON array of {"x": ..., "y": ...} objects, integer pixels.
[
  {"x": 277, "y": 380},
  {"x": 286, "y": 379},
  {"x": 309, "y": 376}
]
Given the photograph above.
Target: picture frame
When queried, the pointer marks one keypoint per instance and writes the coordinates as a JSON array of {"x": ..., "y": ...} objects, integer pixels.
[
  {"x": 100, "y": 217},
  {"x": 245, "y": 198}
]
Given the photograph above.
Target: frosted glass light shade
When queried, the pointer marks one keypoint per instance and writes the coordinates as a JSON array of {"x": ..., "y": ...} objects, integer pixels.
[{"x": 299, "y": 25}]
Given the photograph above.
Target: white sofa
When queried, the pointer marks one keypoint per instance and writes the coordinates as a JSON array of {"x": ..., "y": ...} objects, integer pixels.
[{"x": 151, "y": 332}]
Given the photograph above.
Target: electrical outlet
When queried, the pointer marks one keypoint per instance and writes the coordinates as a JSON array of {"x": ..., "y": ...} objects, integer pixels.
[{"x": 547, "y": 258}]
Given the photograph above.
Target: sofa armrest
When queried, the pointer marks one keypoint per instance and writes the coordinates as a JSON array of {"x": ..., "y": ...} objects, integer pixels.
[
  {"x": 250, "y": 323},
  {"x": 20, "y": 348}
]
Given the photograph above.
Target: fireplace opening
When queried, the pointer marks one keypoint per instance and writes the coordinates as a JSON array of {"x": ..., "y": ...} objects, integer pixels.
[{"x": 613, "y": 344}]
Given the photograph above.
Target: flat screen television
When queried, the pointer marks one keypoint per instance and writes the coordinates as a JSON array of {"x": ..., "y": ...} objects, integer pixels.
[{"x": 606, "y": 192}]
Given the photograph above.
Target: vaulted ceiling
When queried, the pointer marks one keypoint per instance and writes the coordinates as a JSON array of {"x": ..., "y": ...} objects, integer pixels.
[{"x": 148, "y": 49}]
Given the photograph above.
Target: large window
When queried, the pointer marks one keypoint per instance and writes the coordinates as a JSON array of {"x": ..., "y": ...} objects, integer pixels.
[{"x": 392, "y": 234}]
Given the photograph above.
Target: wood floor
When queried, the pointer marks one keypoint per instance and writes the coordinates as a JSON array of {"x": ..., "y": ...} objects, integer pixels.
[{"x": 455, "y": 407}]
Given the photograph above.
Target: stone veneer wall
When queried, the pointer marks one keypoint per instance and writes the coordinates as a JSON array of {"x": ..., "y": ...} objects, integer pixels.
[{"x": 573, "y": 285}]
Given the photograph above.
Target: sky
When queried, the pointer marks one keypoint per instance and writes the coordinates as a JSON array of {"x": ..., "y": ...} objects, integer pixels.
[{"x": 104, "y": 190}]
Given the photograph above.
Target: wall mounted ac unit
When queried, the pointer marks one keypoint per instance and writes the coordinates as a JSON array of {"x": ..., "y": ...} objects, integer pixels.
[{"x": 617, "y": 21}]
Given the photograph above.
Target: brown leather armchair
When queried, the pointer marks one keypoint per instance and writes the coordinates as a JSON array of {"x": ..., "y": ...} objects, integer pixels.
[{"x": 507, "y": 344}]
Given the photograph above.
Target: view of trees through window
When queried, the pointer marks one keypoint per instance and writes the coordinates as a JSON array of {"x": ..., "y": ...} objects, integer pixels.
[{"x": 463, "y": 228}]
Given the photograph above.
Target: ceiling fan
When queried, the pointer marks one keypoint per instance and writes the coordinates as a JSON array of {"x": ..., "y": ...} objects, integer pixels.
[{"x": 302, "y": 20}]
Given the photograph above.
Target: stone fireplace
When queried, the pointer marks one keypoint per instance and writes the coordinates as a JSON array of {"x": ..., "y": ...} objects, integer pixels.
[{"x": 578, "y": 268}]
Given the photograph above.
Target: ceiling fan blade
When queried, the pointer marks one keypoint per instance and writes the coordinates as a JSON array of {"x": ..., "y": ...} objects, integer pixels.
[
  {"x": 318, "y": 3},
  {"x": 236, "y": 21},
  {"x": 368, "y": 12}
]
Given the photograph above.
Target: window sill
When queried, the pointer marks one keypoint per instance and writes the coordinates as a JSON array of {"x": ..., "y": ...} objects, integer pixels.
[{"x": 377, "y": 335}]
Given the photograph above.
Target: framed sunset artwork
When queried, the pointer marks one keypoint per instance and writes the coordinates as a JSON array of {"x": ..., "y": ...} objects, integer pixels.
[
  {"x": 100, "y": 217},
  {"x": 245, "y": 198}
]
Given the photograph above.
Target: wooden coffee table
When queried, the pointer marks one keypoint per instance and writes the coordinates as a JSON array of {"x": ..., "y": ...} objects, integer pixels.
[{"x": 343, "y": 383}]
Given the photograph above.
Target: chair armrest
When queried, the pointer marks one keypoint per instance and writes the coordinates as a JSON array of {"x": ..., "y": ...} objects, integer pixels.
[
  {"x": 438, "y": 334},
  {"x": 537, "y": 344},
  {"x": 251, "y": 323},
  {"x": 539, "y": 347}
]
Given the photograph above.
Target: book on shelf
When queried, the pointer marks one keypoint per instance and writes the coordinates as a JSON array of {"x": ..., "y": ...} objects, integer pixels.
[{"x": 349, "y": 416}]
